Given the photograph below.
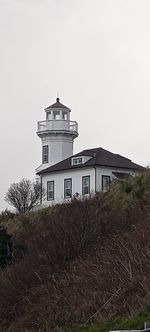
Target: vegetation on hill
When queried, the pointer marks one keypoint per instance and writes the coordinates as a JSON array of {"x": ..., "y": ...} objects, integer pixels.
[
  {"x": 80, "y": 263},
  {"x": 6, "y": 248}
]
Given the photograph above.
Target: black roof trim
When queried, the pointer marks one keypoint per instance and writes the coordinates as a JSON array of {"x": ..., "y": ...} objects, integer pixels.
[{"x": 99, "y": 157}]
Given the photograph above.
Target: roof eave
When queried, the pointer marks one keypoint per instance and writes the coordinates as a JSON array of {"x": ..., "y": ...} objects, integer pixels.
[{"x": 141, "y": 168}]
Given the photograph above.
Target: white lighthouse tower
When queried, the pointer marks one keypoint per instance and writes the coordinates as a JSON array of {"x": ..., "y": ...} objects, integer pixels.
[{"x": 57, "y": 134}]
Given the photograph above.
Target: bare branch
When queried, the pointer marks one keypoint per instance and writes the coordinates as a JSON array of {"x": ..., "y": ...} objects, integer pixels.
[{"x": 24, "y": 195}]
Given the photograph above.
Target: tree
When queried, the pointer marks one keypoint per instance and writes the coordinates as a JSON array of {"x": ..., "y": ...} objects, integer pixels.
[{"x": 24, "y": 196}]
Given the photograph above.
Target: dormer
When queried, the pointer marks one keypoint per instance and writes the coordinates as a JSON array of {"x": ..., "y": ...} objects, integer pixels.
[
  {"x": 76, "y": 161},
  {"x": 79, "y": 160}
]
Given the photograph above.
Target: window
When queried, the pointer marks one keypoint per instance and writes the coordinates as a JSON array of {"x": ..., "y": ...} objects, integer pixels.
[
  {"x": 56, "y": 115},
  {"x": 67, "y": 188},
  {"x": 48, "y": 115},
  {"x": 77, "y": 161},
  {"x": 105, "y": 182},
  {"x": 64, "y": 115},
  {"x": 85, "y": 185},
  {"x": 45, "y": 154},
  {"x": 50, "y": 190}
]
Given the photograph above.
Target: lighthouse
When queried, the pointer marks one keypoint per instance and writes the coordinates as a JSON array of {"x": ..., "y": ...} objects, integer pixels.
[{"x": 57, "y": 134}]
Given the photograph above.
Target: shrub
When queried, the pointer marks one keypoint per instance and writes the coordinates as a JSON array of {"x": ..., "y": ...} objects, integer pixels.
[
  {"x": 6, "y": 247},
  {"x": 6, "y": 215}
]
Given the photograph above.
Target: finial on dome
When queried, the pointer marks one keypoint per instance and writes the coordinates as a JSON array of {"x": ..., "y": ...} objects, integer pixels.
[{"x": 57, "y": 99}]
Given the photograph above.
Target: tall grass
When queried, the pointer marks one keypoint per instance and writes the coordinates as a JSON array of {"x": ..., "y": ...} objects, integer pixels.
[{"x": 81, "y": 262}]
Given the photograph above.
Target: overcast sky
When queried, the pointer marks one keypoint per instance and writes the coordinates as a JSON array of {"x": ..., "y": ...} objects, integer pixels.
[{"x": 96, "y": 53}]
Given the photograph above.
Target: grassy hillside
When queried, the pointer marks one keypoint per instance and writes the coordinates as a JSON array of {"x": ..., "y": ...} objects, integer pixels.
[{"x": 84, "y": 263}]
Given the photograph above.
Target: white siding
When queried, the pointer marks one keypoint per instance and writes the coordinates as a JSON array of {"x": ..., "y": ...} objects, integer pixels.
[
  {"x": 58, "y": 178},
  {"x": 76, "y": 176},
  {"x": 60, "y": 147}
]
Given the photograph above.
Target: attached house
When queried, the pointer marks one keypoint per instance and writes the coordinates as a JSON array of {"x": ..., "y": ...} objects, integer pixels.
[{"x": 64, "y": 175}]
